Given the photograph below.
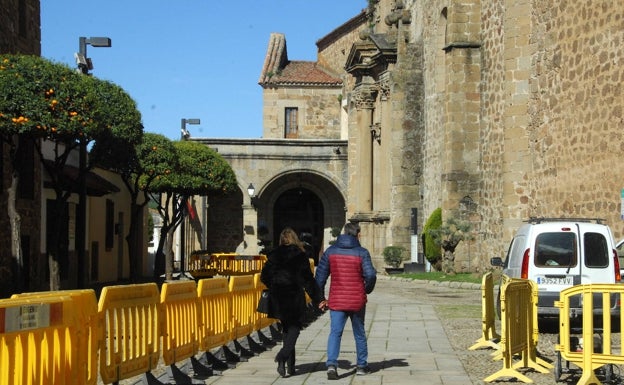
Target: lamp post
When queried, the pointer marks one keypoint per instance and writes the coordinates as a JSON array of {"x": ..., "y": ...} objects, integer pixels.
[
  {"x": 184, "y": 135},
  {"x": 84, "y": 65}
]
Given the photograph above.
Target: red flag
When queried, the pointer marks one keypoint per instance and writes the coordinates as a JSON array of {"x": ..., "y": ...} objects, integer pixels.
[{"x": 191, "y": 210}]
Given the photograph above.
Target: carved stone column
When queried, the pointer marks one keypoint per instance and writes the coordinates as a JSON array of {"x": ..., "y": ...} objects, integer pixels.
[{"x": 364, "y": 96}]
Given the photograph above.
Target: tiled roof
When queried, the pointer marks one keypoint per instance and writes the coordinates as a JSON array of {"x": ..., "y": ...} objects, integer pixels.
[{"x": 278, "y": 70}]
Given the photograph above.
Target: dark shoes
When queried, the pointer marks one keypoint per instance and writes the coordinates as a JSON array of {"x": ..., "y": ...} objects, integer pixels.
[
  {"x": 332, "y": 373},
  {"x": 281, "y": 367},
  {"x": 363, "y": 370}
]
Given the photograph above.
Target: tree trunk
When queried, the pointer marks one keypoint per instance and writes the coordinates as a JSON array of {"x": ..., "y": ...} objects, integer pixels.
[
  {"x": 448, "y": 264},
  {"x": 169, "y": 256},
  {"x": 15, "y": 220}
]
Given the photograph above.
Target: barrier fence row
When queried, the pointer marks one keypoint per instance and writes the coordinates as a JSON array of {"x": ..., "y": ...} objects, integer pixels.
[
  {"x": 203, "y": 264},
  {"x": 57, "y": 337},
  {"x": 519, "y": 329}
]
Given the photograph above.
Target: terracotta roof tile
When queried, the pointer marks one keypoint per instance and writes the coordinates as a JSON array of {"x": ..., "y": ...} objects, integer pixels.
[
  {"x": 278, "y": 70},
  {"x": 303, "y": 72}
]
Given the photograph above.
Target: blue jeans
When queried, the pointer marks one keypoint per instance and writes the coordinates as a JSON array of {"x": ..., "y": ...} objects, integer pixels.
[{"x": 338, "y": 320}]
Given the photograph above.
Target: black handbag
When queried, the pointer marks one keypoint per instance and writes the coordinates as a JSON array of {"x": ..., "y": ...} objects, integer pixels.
[{"x": 264, "y": 304}]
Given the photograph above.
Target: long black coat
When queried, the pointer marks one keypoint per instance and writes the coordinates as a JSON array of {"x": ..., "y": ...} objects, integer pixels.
[{"x": 287, "y": 274}]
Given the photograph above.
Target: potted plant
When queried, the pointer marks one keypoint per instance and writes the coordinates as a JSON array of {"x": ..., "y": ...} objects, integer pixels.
[{"x": 393, "y": 256}]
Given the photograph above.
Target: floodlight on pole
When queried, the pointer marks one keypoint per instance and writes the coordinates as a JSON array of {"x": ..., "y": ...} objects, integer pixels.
[
  {"x": 185, "y": 134},
  {"x": 84, "y": 63}
]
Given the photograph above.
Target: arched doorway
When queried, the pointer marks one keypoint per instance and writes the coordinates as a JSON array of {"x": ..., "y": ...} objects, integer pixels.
[{"x": 303, "y": 211}]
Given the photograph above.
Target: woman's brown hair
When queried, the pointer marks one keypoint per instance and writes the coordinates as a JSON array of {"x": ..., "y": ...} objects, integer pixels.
[{"x": 289, "y": 237}]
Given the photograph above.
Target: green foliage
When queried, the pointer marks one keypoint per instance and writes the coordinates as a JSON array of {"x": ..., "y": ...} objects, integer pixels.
[
  {"x": 200, "y": 171},
  {"x": 335, "y": 232},
  {"x": 157, "y": 158},
  {"x": 394, "y": 255},
  {"x": 431, "y": 249},
  {"x": 51, "y": 100},
  {"x": 451, "y": 233}
]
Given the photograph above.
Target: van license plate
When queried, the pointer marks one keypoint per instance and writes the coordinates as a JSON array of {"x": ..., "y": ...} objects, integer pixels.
[{"x": 564, "y": 281}]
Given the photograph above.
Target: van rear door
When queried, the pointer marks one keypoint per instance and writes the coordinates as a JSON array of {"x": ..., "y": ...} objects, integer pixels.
[{"x": 556, "y": 261}]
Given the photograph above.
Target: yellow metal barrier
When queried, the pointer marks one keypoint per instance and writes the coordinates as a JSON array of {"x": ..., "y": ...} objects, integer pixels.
[
  {"x": 489, "y": 338},
  {"x": 215, "y": 313},
  {"x": 179, "y": 304},
  {"x": 132, "y": 326},
  {"x": 236, "y": 264},
  {"x": 38, "y": 343},
  {"x": 243, "y": 294},
  {"x": 519, "y": 330},
  {"x": 201, "y": 264},
  {"x": 591, "y": 357},
  {"x": 204, "y": 265},
  {"x": 88, "y": 331}
]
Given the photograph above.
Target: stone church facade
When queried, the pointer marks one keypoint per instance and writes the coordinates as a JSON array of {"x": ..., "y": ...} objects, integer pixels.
[{"x": 496, "y": 111}]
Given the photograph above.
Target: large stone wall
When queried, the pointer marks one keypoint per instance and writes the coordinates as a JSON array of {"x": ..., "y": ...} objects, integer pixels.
[
  {"x": 521, "y": 113},
  {"x": 319, "y": 111},
  {"x": 20, "y": 30}
]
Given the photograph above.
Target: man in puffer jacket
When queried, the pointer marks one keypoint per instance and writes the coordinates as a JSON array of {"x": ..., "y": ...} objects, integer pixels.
[{"x": 353, "y": 276}]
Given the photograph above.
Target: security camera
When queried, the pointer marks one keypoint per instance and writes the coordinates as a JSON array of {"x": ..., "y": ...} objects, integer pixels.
[
  {"x": 80, "y": 59},
  {"x": 84, "y": 63}
]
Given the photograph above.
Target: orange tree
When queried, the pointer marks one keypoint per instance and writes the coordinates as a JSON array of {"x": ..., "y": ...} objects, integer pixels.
[
  {"x": 200, "y": 171},
  {"x": 139, "y": 167},
  {"x": 59, "y": 111}
]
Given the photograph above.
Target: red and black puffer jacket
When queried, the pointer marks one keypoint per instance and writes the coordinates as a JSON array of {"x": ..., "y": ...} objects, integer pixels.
[{"x": 353, "y": 275}]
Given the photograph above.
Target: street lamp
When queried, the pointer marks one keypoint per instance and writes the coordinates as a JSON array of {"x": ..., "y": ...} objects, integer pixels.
[
  {"x": 251, "y": 190},
  {"x": 184, "y": 133},
  {"x": 84, "y": 65}
]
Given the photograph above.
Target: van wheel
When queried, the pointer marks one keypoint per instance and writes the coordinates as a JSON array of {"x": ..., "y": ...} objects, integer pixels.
[{"x": 498, "y": 304}]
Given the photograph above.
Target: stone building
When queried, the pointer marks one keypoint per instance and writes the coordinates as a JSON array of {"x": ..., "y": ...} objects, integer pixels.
[
  {"x": 494, "y": 110},
  {"x": 298, "y": 170},
  {"x": 497, "y": 110},
  {"x": 20, "y": 32}
]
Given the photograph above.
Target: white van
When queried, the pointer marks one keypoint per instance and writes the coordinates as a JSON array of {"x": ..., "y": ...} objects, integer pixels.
[{"x": 558, "y": 253}]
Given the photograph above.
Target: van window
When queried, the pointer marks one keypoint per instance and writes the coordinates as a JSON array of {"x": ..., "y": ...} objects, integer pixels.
[
  {"x": 555, "y": 250},
  {"x": 596, "y": 250}
]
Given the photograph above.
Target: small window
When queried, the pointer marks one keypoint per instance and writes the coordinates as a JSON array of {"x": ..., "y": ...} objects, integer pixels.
[
  {"x": 290, "y": 122},
  {"x": 555, "y": 250},
  {"x": 596, "y": 250}
]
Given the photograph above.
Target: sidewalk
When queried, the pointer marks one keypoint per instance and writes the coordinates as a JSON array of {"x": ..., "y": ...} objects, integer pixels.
[{"x": 406, "y": 342}]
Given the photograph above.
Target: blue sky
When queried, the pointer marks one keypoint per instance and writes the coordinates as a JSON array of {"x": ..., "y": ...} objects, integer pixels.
[{"x": 190, "y": 58}]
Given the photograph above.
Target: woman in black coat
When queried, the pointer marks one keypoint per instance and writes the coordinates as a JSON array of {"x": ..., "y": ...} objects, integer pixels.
[{"x": 287, "y": 274}]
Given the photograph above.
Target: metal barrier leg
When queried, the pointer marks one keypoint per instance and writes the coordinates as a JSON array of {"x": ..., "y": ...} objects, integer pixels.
[
  {"x": 179, "y": 377},
  {"x": 230, "y": 356},
  {"x": 201, "y": 370},
  {"x": 255, "y": 346},
  {"x": 215, "y": 362},
  {"x": 276, "y": 335},
  {"x": 149, "y": 379},
  {"x": 264, "y": 340},
  {"x": 242, "y": 351}
]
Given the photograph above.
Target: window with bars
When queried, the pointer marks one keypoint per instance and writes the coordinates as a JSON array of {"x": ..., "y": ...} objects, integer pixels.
[{"x": 290, "y": 122}]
